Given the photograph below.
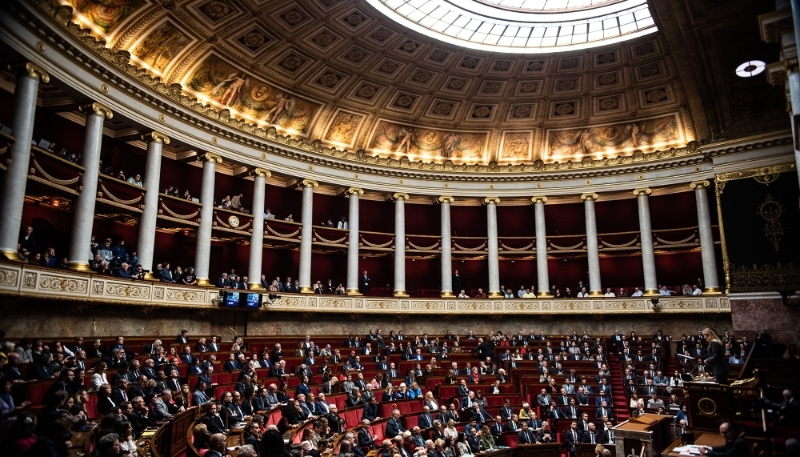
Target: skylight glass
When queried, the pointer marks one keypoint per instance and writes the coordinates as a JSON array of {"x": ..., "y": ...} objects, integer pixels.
[{"x": 523, "y": 26}]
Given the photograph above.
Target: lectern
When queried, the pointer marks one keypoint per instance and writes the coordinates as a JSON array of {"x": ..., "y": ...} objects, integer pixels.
[
  {"x": 708, "y": 404},
  {"x": 648, "y": 430}
]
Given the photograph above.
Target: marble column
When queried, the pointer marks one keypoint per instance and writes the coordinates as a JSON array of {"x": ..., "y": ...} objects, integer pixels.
[
  {"x": 146, "y": 237},
  {"x": 794, "y": 94},
  {"x": 307, "y": 219},
  {"x": 202, "y": 256},
  {"x": 542, "y": 273},
  {"x": 491, "y": 245},
  {"x": 83, "y": 210},
  {"x": 592, "y": 249},
  {"x": 707, "y": 253},
  {"x": 260, "y": 175},
  {"x": 353, "y": 241},
  {"x": 16, "y": 176},
  {"x": 447, "y": 248},
  {"x": 400, "y": 245},
  {"x": 646, "y": 238}
]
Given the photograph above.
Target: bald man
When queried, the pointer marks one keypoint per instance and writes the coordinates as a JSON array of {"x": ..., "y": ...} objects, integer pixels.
[{"x": 735, "y": 445}]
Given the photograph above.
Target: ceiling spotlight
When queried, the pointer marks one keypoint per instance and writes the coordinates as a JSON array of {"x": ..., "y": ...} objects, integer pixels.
[{"x": 750, "y": 68}]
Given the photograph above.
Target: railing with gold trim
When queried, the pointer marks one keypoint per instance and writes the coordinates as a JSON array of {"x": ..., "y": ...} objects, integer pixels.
[
  {"x": 53, "y": 171},
  {"x": 26, "y": 281},
  {"x": 178, "y": 210}
]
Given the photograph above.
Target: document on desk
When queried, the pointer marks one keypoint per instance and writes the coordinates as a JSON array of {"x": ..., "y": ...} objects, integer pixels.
[{"x": 689, "y": 449}]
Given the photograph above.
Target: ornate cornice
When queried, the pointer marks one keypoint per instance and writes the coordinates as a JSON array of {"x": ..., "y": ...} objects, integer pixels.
[{"x": 722, "y": 178}]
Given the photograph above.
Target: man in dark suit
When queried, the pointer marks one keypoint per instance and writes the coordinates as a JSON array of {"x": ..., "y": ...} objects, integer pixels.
[
  {"x": 364, "y": 438},
  {"x": 395, "y": 425},
  {"x": 364, "y": 284},
  {"x": 371, "y": 410},
  {"x": 526, "y": 435},
  {"x": 213, "y": 420},
  {"x": 425, "y": 419},
  {"x": 27, "y": 243},
  {"x": 458, "y": 284},
  {"x": 590, "y": 435},
  {"x": 735, "y": 444},
  {"x": 506, "y": 411},
  {"x": 183, "y": 338},
  {"x": 222, "y": 281},
  {"x": 572, "y": 439}
]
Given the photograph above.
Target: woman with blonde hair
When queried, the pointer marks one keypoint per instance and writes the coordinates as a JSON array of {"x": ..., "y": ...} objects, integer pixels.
[
  {"x": 450, "y": 431},
  {"x": 431, "y": 402},
  {"x": 487, "y": 440},
  {"x": 716, "y": 359}
]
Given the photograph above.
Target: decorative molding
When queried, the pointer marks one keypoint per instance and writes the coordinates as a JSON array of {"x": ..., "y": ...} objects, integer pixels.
[
  {"x": 722, "y": 178},
  {"x": 765, "y": 278}
]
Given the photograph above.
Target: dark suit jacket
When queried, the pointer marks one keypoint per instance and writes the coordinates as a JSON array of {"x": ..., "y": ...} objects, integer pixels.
[
  {"x": 571, "y": 437},
  {"x": 214, "y": 424}
]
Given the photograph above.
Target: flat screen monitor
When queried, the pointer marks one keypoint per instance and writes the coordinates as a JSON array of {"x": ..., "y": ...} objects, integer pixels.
[
  {"x": 250, "y": 300},
  {"x": 232, "y": 299}
]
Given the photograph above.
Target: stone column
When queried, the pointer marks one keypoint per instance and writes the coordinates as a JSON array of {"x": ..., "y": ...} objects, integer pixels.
[
  {"x": 146, "y": 237},
  {"x": 591, "y": 245},
  {"x": 646, "y": 238},
  {"x": 400, "y": 245},
  {"x": 16, "y": 177},
  {"x": 542, "y": 273},
  {"x": 202, "y": 256},
  {"x": 793, "y": 73},
  {"x": 491, "y": 245},
  {"x": 257, "y": 236},
  {"x": 83, "y": 211},
  {"x": 307, "y": 219},
  {"x": 706, "y": 238},
  {"x": 447, "y": 248},
  {"x": 353, "y": 241}
]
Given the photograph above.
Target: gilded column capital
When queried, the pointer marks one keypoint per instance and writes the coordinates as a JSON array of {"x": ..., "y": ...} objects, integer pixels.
[
  {"x": 790, "y": 65},
  {"x": 642, "y": 191},
  {"x": 309, "y": 183},
  {"x": 96, "y": 108},
  {"x": 589, "y": 196},
  {"x": 355, "y": 190},
  {"x": 156, "y": 137},
  {"x": 695, "y": 184},
  {"x": 399, "y": 196},
  {"x": 210, "y": 157},
  {"x": 491, "y": 201},
  {"x": 32, "y": 70},
  {"x": 261, "y": 172},
  {"x": 445, "y": 198},
  {"x": 539, "y": 199}
]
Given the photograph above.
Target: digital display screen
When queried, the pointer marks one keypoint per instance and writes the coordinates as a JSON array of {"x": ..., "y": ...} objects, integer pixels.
[
  {"x": 251, "y": 300},
  {"x": 232, "y": 299}
]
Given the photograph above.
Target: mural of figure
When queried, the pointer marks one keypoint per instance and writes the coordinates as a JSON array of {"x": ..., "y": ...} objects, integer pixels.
[
  {"x": 634, "y": 131},
  {"x": 451, "y": 141},
  {"x": 404, "y": 138},
  {"x": 284, "y": 104},
  {"x": 233, "y": 86},
  {"x": 586, "y": 141}
]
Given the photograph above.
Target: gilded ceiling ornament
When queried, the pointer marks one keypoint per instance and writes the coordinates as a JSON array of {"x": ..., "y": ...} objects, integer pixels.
[{"x": 771, "y": 211}]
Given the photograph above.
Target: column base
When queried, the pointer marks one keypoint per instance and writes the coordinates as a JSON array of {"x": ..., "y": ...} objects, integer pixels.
[
  {"x": 204, "y": 282},
  {"x": 712, "y": 291},
  {"x": 10, "y": 255},
  {"x": 79, "y": 266},
  {"x": 651, "y": 293},
  {"x": 306, "y": 290},
  {"x": 544, "y": 295},
  {"x": 596, "y": 293},
  {"x": 400, "y": 294},
  {"x": 354, "y": 292},
  {"x": 495, "y": 295},
  {"x": 255, "y": 286},
  {"x": 447, "y": 294}
]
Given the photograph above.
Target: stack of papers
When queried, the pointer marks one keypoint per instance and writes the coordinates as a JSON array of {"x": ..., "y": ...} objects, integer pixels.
[{"x": 689, "y": 449}]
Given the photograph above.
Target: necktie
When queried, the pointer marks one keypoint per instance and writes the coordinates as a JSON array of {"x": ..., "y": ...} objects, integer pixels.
[
  {"x": 592, "y": 436},
  {"x": 612, "y": 436}
]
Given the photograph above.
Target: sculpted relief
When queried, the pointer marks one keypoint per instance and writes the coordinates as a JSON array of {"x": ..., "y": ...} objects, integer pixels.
[
  {"x": 615, "y": 139},
  {"x": 104, "y": 16},
  {"x": 225, "y": 86},
  {"x": 428, "y": 144},
  {"x": 160, "y": 47}
]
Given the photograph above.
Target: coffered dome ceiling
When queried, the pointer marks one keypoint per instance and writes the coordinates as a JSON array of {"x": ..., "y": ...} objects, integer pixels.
[{"x": 342, "y": 72}]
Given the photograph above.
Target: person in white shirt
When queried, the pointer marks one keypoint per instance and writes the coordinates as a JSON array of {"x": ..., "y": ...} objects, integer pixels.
[
  {"x": 609, "y": 293},
  {"x": 528, "y": 294},
  {"x": 463, "y": 294},
  {"x": 289, "y": 218},
  {"x": 521, "y": 291},
  {"x": 696, "y": 290},
  {"x": 583, "y": 293},
  {"x": 663, "y": 291},
  {"x": 637, "y": 292},
  {"x": 269, "y": 215},
  {"x": 342, "y": 225}
]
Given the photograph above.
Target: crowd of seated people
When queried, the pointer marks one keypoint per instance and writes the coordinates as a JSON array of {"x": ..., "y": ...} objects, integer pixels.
[{"x": 136, "y": 389}]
